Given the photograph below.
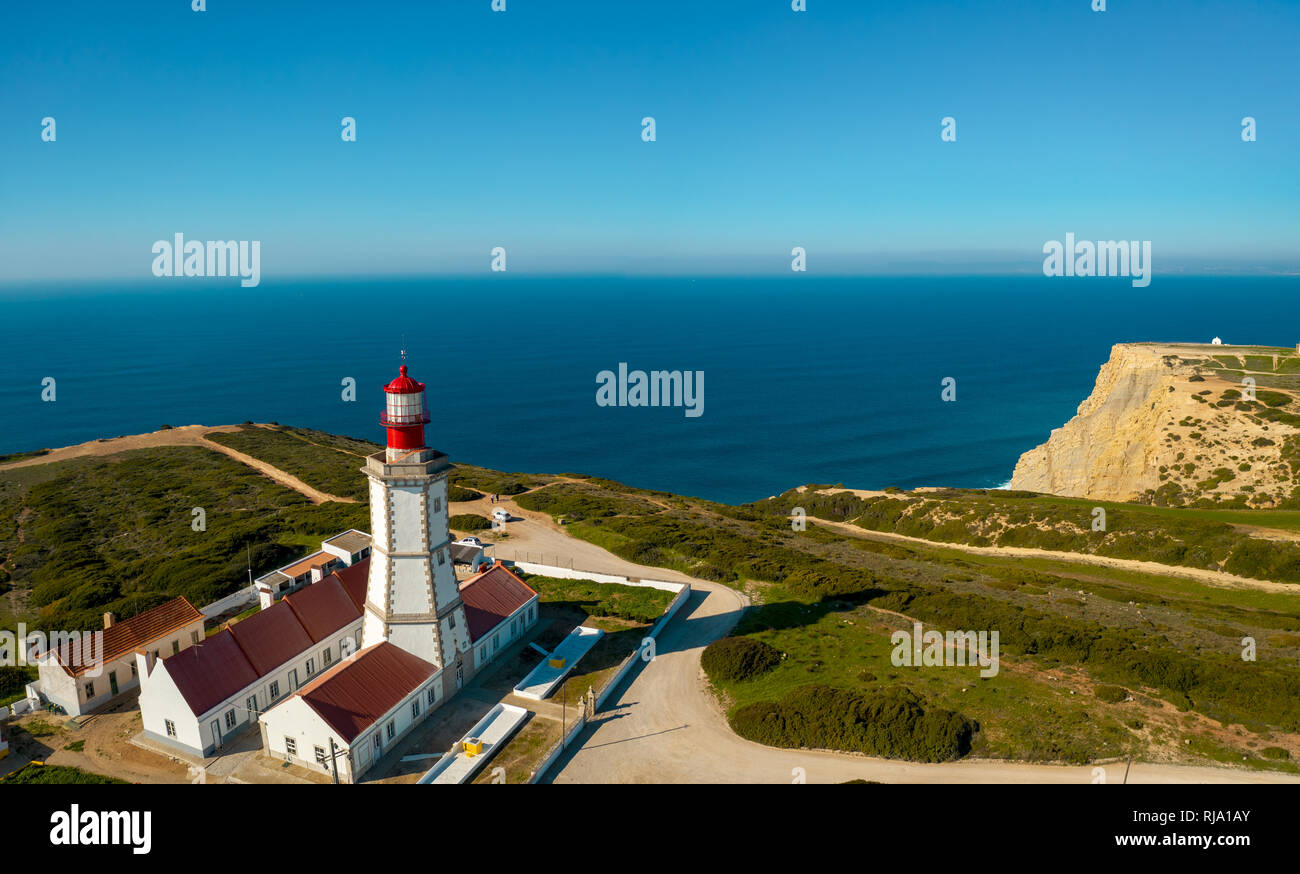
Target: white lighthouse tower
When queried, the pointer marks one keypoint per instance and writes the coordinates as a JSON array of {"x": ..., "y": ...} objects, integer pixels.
[{"x": 412, "y": 599}]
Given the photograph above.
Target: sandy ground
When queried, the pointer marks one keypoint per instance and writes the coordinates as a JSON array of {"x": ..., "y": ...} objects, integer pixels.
[
  {"x": 665, "y": 725},
  {"x": 186, "y": 435}
]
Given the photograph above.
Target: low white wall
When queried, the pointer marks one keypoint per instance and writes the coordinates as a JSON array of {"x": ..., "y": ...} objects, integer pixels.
[
  {"x": 558, "y": 748},
  {"x": 246, "y": 596},
  {"x": 564, "y": 573},
  {"x": 683, "y": 591},
  {"x": 653, "y": 633}
]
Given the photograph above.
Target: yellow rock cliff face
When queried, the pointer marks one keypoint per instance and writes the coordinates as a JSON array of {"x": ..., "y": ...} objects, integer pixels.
[{"x": 1171, "y": 424}]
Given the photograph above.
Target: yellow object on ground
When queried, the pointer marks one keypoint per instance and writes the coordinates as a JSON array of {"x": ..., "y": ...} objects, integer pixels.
[
  {"x": 473, "y": 746},
  {"x": 557, "y": 663}
]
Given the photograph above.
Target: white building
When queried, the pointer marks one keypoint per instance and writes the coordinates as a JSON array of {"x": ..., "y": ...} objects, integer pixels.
[
  {"x": 197, "y": 700},
  {"x": 83, "y": 677},
  {"x": 341, "y": 550},
  {"x": 420, "y": 629},
  {"x": 348, "y": 717}
]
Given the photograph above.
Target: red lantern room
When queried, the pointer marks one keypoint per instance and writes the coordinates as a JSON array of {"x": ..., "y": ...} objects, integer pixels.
[{"x": 405, "y": 414}]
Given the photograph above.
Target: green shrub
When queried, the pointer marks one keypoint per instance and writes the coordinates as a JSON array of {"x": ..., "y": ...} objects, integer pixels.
[
  {"x": 733, "y": 659},
  {"x": 1112, "y": 694},
  {"x": 13, "y": 680},
  {"x": 469, "y": 522},
  {"x": 32, "y": 774},
  {"x": 460, "y": 493},
  {"x": 893, "y": 723}
]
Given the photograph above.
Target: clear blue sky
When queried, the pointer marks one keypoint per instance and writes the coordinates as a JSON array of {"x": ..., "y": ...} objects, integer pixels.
[{"x": 522, "y": 129}]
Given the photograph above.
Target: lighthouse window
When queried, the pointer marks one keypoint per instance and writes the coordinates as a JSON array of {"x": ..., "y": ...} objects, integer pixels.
[
  {"x": 451, "y": 620},
  {"x": 437, "y": 505},
  {"x": 442, "y": 556}
]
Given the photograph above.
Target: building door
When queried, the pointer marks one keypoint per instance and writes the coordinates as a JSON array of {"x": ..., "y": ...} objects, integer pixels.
[
  {"x": 460, "y": 675},
  {"x": 293, "y": 679},
  {"x": 216, "y": 733},
  {"x": 251, "y": 705},
  {"x": 112, "y": 682}
]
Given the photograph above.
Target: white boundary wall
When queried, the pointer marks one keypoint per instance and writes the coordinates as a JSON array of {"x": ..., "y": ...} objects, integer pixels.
[
  {"x": 564, "y": 573},
  {"x": 654, "y": 633},
  {"x": 245, "y": 596},
  {"x": 683, "y": 591},
  {"x": 494, "y": 729}
]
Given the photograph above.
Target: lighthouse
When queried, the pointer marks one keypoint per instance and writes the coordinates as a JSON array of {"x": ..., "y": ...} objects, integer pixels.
[{"x": 412, "y": 598}]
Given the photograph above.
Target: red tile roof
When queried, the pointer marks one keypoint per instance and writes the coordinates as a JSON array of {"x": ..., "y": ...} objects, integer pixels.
[
  {"x": 235, "y": 658},
  {"x": 138, "y": 632},
  {"x": 354, "y": 581},
  {"x": 321, "y": 608},
  {"x": 210, "y": 672},
  {"x": 271, "y": 637},
  {"x": 354, "y": 694},
  {"x": 490, "y": 597}
]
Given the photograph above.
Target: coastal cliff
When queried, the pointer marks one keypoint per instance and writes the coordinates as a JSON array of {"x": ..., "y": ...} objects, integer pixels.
[{"x": 1175, "y": 424}]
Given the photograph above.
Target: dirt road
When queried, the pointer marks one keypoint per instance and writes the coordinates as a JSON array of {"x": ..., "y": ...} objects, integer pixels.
[
  {"x": 665, "y": 726},
  {"x": 187, "y": 435},
  {"x": 1220, "y": 579}
]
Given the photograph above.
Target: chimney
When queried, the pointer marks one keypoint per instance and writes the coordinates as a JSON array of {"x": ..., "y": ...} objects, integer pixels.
[
  {"x": 109, "y": 621},
  {"x": 144, "y": 660}
]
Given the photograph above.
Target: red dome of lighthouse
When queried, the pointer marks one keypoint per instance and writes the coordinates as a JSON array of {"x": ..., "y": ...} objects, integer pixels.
[
  {"x": 404, "y": 385},
  {"x": 405, "y": 413}
]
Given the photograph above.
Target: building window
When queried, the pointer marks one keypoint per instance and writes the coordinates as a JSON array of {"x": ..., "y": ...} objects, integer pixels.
[
  {"x": 133, "y": 670},
  {"x": 437, "y": 505},
  {"x": 194, "y": 638},
  {"x": 311, "y": 667},
  {"x": 391, "y": 730},
  {"x": 320, "y": 757},
  {"x": 90, "y": 689},
  {"x": 171, "y": 727},
  {"x": 275, "y": 689},
  {"x": 432, "y": 695},
  {"x": 415, "y": 708},
  {"x": 176, "y": 647},
  {"x": 290, "y": 746},
  {"x": 325, "y": 656},
  {"x": 230, "y": 718}
]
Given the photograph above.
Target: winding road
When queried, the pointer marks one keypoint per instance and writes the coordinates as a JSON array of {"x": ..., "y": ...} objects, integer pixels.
[{"x": 664, "y": 725}]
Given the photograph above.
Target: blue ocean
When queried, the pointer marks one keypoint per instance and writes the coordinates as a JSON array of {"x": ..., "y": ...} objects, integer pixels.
[{"x": 822, "y": 380}]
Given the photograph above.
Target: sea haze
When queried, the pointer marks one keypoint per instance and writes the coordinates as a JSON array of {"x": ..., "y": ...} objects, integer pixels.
[{"x": 805, "y": 379}]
